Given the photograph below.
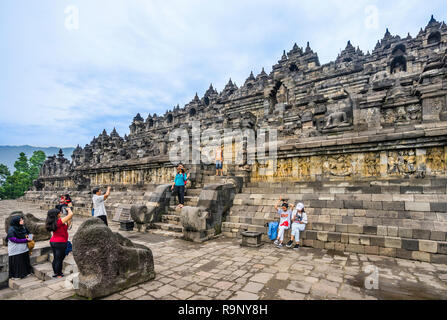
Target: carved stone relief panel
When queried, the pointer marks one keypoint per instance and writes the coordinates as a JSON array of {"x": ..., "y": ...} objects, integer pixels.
[
  {"x": 402, "y": 162},
  {"x": 434, "y": 108},
  {"x": 371, "y": 164},
  {"x": 339, "y": 165},
  {"x": 303, "y": 167},
  {"x": 435, "y": 158},
  {"x": 402, "y": 115},
  {"x": 284, "y": 168}
]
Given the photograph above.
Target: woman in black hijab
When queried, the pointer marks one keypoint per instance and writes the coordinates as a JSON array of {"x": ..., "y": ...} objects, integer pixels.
[{"x": 18, "y": 252}]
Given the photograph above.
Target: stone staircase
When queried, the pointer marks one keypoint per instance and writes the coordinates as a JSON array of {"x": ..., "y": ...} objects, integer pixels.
[
  {"x": 43, "y": 273},
  {"x": 41, "y": 254},
  {"x": 171, "y": 224},
  {"x": 399, "y": 218},
  {"x": 171, "y": 221},
  {"x": 82, "y": 200}
]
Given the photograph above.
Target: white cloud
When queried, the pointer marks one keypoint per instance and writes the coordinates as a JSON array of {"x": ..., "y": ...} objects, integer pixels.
[{"x": 147, "y": 56}]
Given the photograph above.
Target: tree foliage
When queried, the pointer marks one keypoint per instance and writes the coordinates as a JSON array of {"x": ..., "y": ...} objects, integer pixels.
[
  {"x": 22, "y": 164},
  {"x": 4, "y": 173},
  {"x": 35, "y": 163},
  {"x": 14, "y": 186}
]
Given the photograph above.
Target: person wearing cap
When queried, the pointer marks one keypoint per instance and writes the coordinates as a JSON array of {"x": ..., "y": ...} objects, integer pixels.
[
  {"x": 299, "y": 221},
  {"x": 285, "y": 214}
]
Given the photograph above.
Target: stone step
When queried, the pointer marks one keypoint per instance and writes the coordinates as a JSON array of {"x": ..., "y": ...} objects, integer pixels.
[
  {"x": 30, "y": 282},
  {"x": 346, "y": 190},
  {"x": 68, "y": 261},
  {"x": 7, "y": 293},
  {"x": 406, "y": 248},
  {"x": 421, "y": 202},
  {"x": 338, "y": 195},
  {"x": 45, "y": 272},
  {"x": 40, "y": 255},
  {"x": 171, "y": 218},
  {"x": 412, "y": 249},
  {"x": 187, "y": 198},
  {"x": 192, "y": 202},
  {"x": 420, "y": 216},
  {"x": 251, "y": 220},
  {"x": 190, "y": 192},
  {"x": 174, "y": 210},
  {"x": 189, "y": 202},
  {"x": 212, "y": 178},
  {"x": 380, "y": 230},
  {"x": 193, "y": 192},
  {"x": 433, "y": 182},
  {"x": 350, "y": 216},
  {"x": 350, "y": 211},
  {"x": 170, "y": 234},
  {"x": 168, "y": 227}
]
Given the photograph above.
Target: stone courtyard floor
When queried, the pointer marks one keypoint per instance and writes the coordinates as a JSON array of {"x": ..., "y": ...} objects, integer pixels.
[{"x": 221, "y": 269}]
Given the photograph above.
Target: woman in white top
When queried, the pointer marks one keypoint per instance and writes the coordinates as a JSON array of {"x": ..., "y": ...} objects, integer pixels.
[
  {"x": 299, "y": 221},
  {"x": 18, "y": 252}
]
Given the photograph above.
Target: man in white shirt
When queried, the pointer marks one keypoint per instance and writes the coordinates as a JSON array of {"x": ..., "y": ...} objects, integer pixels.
[{"x": 99, "y": 209}]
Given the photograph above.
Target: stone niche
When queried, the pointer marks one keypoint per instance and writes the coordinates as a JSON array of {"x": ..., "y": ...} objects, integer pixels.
[
  {"x": 401, "y": 115},
  {"x": 107, "y": 261},
  {"x": 435, "y": 109},
  {"x": 333, "y": 113}
]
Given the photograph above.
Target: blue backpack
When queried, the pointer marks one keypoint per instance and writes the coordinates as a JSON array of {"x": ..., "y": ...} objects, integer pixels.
[{"x": 273, "y": 230}]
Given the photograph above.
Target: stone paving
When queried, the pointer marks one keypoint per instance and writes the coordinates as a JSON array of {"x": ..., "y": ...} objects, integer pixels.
[{"x": 221, "y": 269}]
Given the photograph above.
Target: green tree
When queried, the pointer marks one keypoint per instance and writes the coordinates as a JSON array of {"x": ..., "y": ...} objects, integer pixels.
[
  {"x": 35, "y": 163},
  {"x": 22, "y": 164},
  {"x": 4, "y": 173},
  {"x": 15, "y": 185}
]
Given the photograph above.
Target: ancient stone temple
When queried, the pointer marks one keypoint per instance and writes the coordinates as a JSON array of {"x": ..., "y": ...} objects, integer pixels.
[{"x": 361, "y": 141}]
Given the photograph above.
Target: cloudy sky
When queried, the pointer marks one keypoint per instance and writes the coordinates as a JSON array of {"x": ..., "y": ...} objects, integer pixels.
[{"x": 64, "y": 79}]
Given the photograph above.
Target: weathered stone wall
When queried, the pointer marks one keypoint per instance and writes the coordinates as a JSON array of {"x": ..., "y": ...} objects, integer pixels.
[
  {"x": 396, "y": 163},
  {"x": 405, "y": 218},
  {"x": 361, "y": 141},
  {"x": 379, "y": 115}
]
